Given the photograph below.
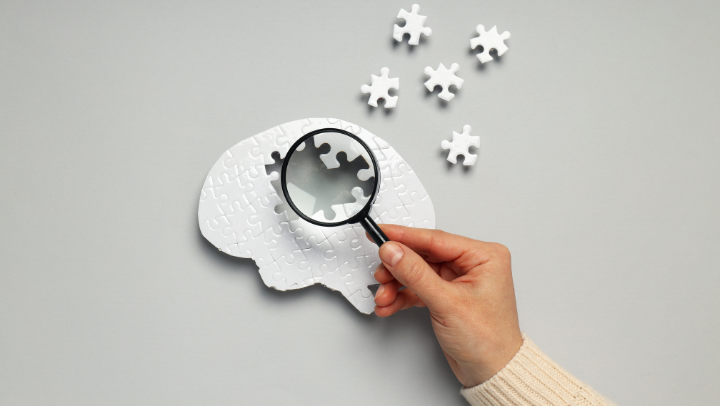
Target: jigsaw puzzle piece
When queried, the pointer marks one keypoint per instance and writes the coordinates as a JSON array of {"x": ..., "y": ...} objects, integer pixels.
[
  {"x": 268, "y": 142},
  {"x": 319, "y": 259},
  {"x": 305, "y": 233},
  {"x": 344, "y": 253},
  {"x": 399, "y": 171},
  {"x": 294, "y": 276},
  {"x": 212, "y": 228},
  {"x": 347, "y": 126},
  {"x": 337, "y": 144},
  {"x": 379, "y": 147},
  {"x": 211, "y": 190},
  {"x": 330, "y": 159},
  {"x": 348, "y": 234},
  {"x": 235, "y": 251},
  {"x": 460, "y": 145},
  {"x": 338, "y": 231},
  {"x": 312, "y": 124},
  {"x": 414, "y": 25},
  {"x": 339, "y": 211},
  {"x": 363, "y": 304},
  {"x": 241, "y": 158},
  {"x": 293, "y": 130},
  {"x": 489, "y": 40},
  {"x": 353, "y": 278},
  {"x": 321, "y": 262},
  {"x": 444, "y": 78},
  {"x": 243, "y": 246},
  {"x": 347, "y": 210},
  {"x": 388, "y": 204},
  {"x": 260, "y": 186},
  {"x": 265, "y": 217},
  {"x": 394, "y": 215},
  {"x": 365, "y": 174},
  {"x": 356, "y": 284},
  {"x": 380, "y": 87},
  {"x": 224, "y": 187},
  {"x": 268, "y": 271},
  {"x": 419, "y": 208},
  {"x": 283, "y": 245},
  {"x": 320, "y": 216},
  {"x": 358, "y": 237},
  {"x": 230, "y": 192},
  {"x": 238, "y": 217}
]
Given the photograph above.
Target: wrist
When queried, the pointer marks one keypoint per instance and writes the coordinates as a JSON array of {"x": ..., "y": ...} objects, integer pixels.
[{"x": 475, "y": 373}]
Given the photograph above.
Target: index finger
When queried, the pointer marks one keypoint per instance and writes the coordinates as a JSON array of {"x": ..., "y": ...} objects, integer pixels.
[{"x": 434, "y": 244}]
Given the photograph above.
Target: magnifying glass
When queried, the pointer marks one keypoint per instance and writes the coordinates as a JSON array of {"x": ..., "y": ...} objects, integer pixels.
[{"x": 330, "y": 177}]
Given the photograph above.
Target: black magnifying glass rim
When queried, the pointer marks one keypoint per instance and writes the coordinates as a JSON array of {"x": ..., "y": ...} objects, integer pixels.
[{"x": 283, "y": 179}]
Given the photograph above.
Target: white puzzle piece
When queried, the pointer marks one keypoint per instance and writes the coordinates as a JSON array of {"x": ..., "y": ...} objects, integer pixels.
[
  {"x": 347, "y": 210},
  {"x": 347, "y": 146},
  {"x": 489, "y": 40},
  {"x": 460, "y": 145},
  {"x": 414, "y": 25},
  {"x": 237, "y": 214},
  {"x": 379, "y": 88},
  {"x": 443, "y": 77}
]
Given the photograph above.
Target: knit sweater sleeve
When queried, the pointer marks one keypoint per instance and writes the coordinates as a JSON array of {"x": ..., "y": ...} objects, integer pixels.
[{"x": 531, "y": 378}]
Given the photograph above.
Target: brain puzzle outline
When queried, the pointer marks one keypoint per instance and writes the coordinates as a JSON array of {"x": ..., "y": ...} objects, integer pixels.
[{"x": 241, "y": 213}]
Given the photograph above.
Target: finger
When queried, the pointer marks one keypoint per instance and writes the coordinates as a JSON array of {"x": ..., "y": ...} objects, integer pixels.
[
  {"x": 387, "y": 293},
  {"x": 435, "y": 244},
  {"x": 382, "y": 275},
  {"x": 438, "y": 246},
  {"x": 435, "y": 267},
  {"x": 412, "y": 271},
  {"x": 405, "y": 299},
  {"x": 447, "y": 273}
]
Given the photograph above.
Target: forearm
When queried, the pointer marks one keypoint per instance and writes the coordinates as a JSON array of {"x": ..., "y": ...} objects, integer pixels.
[{"x": 531, "y": 378}]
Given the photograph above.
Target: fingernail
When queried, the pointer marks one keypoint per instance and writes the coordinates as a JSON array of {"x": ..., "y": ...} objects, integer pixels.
[
  {"x": 380, "y": 290},
  {"x": 390, "y": 253}
]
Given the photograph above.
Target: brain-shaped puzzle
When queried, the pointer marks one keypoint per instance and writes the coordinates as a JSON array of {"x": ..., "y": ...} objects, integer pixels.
[{"x": 242, "y": 213}]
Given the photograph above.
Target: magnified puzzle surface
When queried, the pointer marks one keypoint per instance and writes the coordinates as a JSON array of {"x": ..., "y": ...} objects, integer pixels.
[{"x": 243, "y": 215}]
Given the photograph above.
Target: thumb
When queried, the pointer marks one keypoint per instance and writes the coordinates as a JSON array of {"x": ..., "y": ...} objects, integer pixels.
[{"x": 413, "y": 272}]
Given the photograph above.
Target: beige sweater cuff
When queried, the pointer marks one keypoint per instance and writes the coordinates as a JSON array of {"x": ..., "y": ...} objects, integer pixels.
[{"x": 531, "y": 378}]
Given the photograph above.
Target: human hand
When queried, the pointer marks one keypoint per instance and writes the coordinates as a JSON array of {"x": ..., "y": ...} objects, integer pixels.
[{"x": 467, "y": 287}]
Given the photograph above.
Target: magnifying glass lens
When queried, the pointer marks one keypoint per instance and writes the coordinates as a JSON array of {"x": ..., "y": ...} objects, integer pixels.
[{"x": 330, "y": 177}]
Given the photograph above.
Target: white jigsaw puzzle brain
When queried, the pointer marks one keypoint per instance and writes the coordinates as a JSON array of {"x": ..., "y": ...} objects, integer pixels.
[{"x": 237, "y": 215}]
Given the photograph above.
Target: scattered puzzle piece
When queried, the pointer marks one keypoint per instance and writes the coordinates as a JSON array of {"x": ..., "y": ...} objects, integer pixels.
[
  {"x": 414, "y": 25},
  {"x": 237, "y": 214},
  {"x": 380, "y": 87},
  {"x": 460, "y": 145},
  {"x": 489, "y": 40},
  {"x": 445, "y": 78}
]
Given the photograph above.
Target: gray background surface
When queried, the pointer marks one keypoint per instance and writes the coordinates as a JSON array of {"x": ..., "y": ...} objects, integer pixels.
[{"x": 598, "y": 168}]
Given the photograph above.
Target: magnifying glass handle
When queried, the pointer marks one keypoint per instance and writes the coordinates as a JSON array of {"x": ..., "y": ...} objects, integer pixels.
[{"x": 375, "y": 232}]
